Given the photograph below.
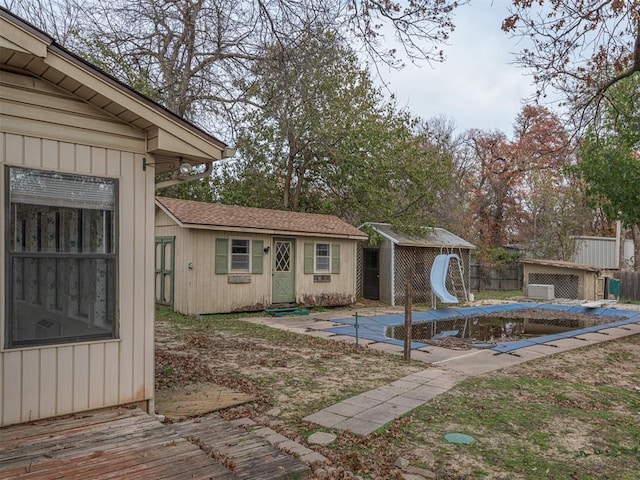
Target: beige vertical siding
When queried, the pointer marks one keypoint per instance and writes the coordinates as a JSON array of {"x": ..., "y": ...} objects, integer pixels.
[
  {"x": 587, "y": 280},
  {"x": 200, "y": 290},
  {"x": 341, "y": 288},
  {"x": 38, "y": 382}
]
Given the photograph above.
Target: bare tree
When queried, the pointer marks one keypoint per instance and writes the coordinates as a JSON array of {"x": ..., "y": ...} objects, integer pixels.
[
  {"x": 195, "y": 56},
  {"x": 580, "y": 48},
  {"x": 61, "y": 19}
]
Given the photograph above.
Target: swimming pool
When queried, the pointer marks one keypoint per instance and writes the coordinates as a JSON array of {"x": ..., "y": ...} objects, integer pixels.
[{"x": 377, "y": 328}]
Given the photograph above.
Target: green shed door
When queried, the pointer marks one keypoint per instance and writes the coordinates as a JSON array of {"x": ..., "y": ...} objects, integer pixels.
[
  {"x": 283, "y": 271},
  {"x": 164, "y": 266}
]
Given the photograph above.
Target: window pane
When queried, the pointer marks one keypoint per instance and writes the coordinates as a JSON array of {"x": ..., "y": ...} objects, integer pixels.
[
  {"x": 61, "y": 299},
  {"x": 322, "y": 257},
  {"x": 61, "y": 189},
  {"x": 62, "y": 258},
  {"x": 240, "y": 255},
  {"x": 38, "y": 228}
]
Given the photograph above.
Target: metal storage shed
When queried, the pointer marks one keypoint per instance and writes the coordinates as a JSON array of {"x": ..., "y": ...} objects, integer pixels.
[{"x": 384, "y": 264}]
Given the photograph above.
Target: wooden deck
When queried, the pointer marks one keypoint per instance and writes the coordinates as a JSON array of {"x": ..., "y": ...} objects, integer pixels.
[{"x": 128, "y": 443}]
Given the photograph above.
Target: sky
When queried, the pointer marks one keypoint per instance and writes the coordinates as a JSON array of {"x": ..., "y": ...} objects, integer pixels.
[{"x": 477, "y": 86}]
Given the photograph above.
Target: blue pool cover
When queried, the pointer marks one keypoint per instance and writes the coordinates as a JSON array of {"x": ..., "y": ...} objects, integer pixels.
[{"x": 374, "y": 327}]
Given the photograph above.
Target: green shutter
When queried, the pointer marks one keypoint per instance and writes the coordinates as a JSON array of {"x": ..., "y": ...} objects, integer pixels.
[
  {"x": 256, "y": 256},
  {"x": 309, "y": 257},
  {"x": 335, "y": 258},
  {"x": 222, "y": 252}
]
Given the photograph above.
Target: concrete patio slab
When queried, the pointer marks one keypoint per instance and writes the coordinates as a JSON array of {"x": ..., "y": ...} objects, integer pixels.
[
  {"x": 405, "y": 401},
  {"x": 320, "y": 334},
  {"x": 325, "y": 419},
  {"x": 404, "y": 384},
  {"x": 387, "y": 347},
  {"x": 348, "y": 409},
  {"x": 358, "y": 426},
  {"x": 424, "y": 393},
  {"x": 383, "y": 413},
  {"x": 381, "y": 394},
  {"x": 363, "y": 400}
]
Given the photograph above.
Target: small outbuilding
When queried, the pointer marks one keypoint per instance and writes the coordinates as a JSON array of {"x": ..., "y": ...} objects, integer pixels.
[
  {"x": 213, "y": 258},
  {"x": 79, "y": 152},
  {"x": 570, "y": 280},
  {"x": 386, "y": 257}
]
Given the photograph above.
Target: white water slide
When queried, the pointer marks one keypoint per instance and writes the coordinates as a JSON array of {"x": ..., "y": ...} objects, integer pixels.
[{"x": 439, "y": 272}]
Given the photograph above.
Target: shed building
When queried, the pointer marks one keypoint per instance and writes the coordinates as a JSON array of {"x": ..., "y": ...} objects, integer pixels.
[
  {"x": 213, "y": 258},
  {"x": 385, "y": 262},
  {"x": 570, "y": 280}
]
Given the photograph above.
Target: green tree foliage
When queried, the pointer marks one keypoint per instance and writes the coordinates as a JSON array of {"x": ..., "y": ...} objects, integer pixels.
[
  {"x": 609, "y": 156},
  {"x": 326, "y": 142}
]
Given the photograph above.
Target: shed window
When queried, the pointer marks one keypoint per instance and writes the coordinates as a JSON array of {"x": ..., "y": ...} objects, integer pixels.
[
  {"x": 239, "y": 255},
  {"x": 61, "y": 258},
  {"x": 243, "y": 254},
  {"x": 323, "y": 257}
]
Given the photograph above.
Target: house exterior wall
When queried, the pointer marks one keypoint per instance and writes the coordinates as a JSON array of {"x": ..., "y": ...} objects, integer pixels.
[
  {"x": 43, "y": 128},
  {"x": 199, "y": 290}
]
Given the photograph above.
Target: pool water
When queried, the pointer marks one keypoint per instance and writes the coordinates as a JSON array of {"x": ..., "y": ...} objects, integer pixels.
[{"x": 492, "y": 328}]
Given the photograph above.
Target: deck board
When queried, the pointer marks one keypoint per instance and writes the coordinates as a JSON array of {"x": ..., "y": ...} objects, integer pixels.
[
  {"x": 127, "y": 443},
  {"x": 254, "y": 458}
]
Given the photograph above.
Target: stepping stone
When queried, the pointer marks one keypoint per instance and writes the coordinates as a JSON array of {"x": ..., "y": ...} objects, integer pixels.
[{"x": 321, "y": 438}]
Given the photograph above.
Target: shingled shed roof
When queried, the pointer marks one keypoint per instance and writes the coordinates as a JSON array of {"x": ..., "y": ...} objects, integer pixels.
[
  {"x": 215, "y": 216},
  {"x": 433, "y": 237}
]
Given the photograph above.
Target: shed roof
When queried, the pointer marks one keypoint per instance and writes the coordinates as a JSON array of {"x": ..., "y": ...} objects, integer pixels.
[
  {"x": 565, "y": 264},
  {"x": 433, "y": 237},
  {"x": 215, "y": 216}
]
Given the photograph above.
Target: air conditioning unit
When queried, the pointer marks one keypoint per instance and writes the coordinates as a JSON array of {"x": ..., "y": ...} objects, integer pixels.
[
  {"x": 47, "y": 328},
  {"x": 541, "y": 292}
]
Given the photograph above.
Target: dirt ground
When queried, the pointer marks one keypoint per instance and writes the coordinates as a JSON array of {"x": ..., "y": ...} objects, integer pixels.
[{"x": 291, "y": 377}]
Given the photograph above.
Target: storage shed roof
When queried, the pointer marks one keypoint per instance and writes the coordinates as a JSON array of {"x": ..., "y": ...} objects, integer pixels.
[
  {"x": 565, "y": 264},
  {"x": 215, "y": 216},
  {"x": 433, "y": 237}
]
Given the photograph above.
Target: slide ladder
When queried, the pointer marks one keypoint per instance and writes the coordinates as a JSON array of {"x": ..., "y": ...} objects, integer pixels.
[
  {"x": 441, "y": 269},
  {"x": 457, "y": 279}
]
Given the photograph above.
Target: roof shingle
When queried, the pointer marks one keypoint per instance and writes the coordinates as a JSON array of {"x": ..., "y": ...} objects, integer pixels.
[{"x": 192, "y": 213}]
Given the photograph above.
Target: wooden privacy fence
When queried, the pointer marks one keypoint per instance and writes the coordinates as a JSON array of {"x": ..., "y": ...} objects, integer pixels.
[
  {"x": 492, "y": 277},
  {"x": 629, "y": 285}
]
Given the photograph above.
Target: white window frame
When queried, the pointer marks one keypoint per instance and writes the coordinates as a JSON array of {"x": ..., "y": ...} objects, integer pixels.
[
  {"x": 324, "y": 258},
  {"x": 235, "y": 256}
]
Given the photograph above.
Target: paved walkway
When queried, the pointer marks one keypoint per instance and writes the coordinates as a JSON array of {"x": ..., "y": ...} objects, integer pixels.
[{"x": 371, "y": 410}]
